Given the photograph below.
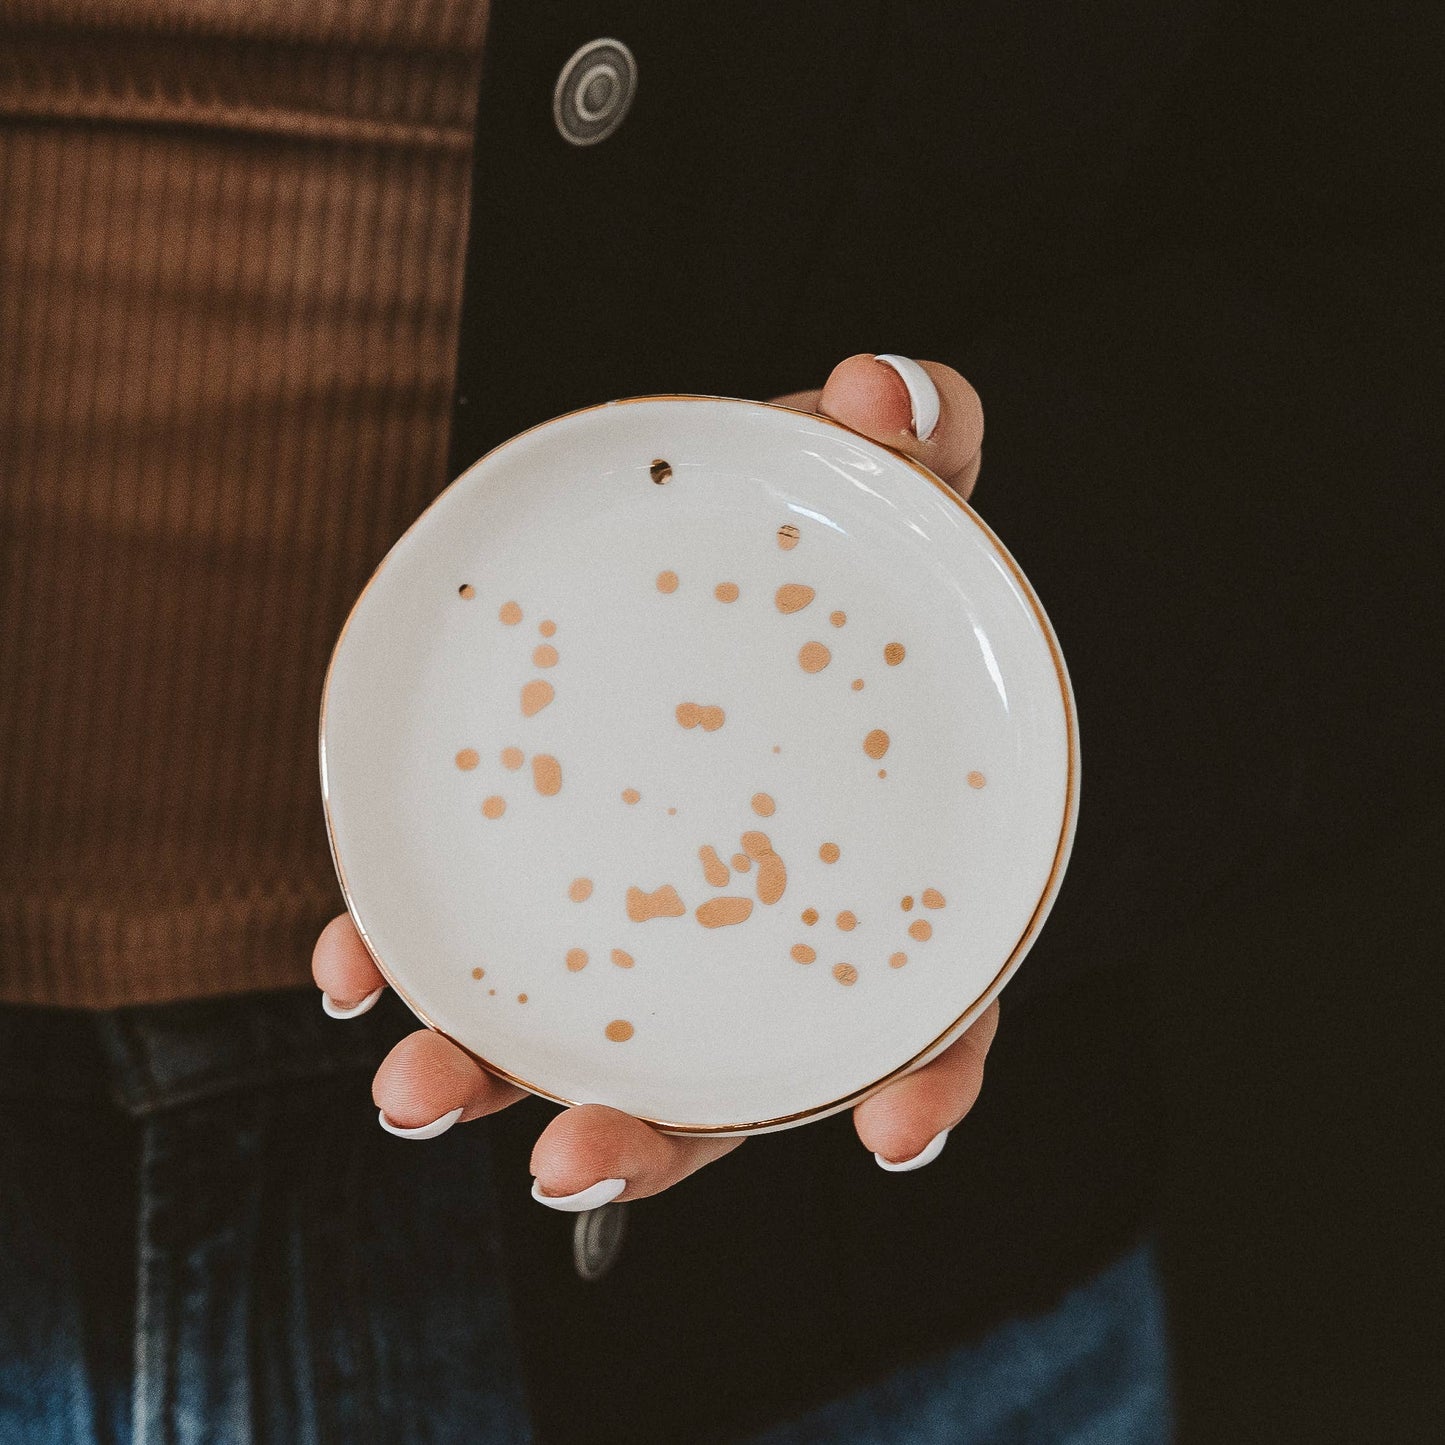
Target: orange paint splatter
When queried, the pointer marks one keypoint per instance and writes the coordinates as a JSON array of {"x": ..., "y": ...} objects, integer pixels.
[
  {"x": 813, "y": 657},
  {"x": 932, "y": 898},
  {"x": 510, "y": 613},
  {"x": 756, "y": 845},
  {"x": 466, "y": 591},
  {"x": 837, "y": 618},
  {"x": 580, "y": 890},
  {"x": 687, "y": 714},
  {"x": 976, "y": 780},
  {"x": 660, "y": 903},
  {"x": 772, "y": 878},
  {"x": 667, "y": 581},
  {"x": 847, "y": 920},
  {"x": 894, "y": 653},
  {"x": 921, "y": 929},
  {"x": 897, "y": 960},
  {"x": 803, "y": 954},
  {"x": 467, "y": 759},
  {"x": 547, "y": 628},
  {"x": 546, "y": 774},
  {"x": 830, "y": 852},
  {"x": 544, "y": 655},
  {"x": 742, "y": 862},
  {"x": 857, "y": 684},
  {"x": 494, "y": 807},
  {"x": 631, "y": 796},
  {"x": 882, "y": 772},
  {"x": 726, "y": 591},
  {"x": 479, "y": 973},
  {"x": 846, "y": 974},
  {"x": 535, "y": 696},
  {"x": 512, "y": 759},
  {"x": 788, "y": 536},
  {"x": 622, "y": 958},
  {"x": 710, "y": 719},
  {"x": 763, "y": 805},
  {"x": 713, "y": 867},
  {"x": 907, "y": 904},
  {"x": 810, "y": 916},
  {"x": 521, "y": 998},
  {"x": 576, "y": 960},
  {"x": 876, "y": 744},
  {"x": 793, "y": 597},
  {"x": 619, "y": 1031},
  {"x": 722, "y": 912}
]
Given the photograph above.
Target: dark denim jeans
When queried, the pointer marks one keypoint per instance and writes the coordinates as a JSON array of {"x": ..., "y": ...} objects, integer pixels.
[{"x": 205, "y": 1237}]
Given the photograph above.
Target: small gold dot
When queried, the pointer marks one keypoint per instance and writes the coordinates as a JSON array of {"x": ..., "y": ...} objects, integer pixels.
[
  {"x": 466, "y": 591},
  {"x": 776, "y": 748},
  {"x": 491, "y": 993},
  {"x": 726, "y": 591},
  {"x": 921, "y": 929},
  {"x": 976, "y": 780},
  {"x": 837, "y": 618},
  {"x": 547, "y": 628},
  {"x": 631, "y": 795},
  {"x": 882, "y": 772},
  {"x": 494, "y": 807},
  {"x": 847, "y": 920},
  {"x": 741, "y": 862},
  {"x": 467, "y": 759},
  {"x": 576, "y": 960},
  {"x": 813, "y": 657},
  {"x": 671, "y": 812},
  {"x": 510, "y": 613},
  {"x": 512, "y": 758},
  {"x": 667, "y": 581},
  {"x": 830, "y": 852},
  {"x": 479, "y": 973},
  {"x": 788, "y": 536},
  {"x": 846, "y": 974},
  {"x": 803, "y": 954},
  {"x": 763, "y": 805},
  {"x": 857, "y": 684},
  {"x": 521, "y": 998},
  {"x": 622, "y": 959},
  {"x": 876, "y": 744},
  {"x": 907, "y": 904},
  {"x": 932, "y": 898},
  {"x": 580, "y": 890},
  {"x": 545, "y": 655},
  {"x": 897, "y": 960},
  {"x": 894, "y": 653},
  {"x": 810, "y": 916},
  {"x": 619, "y": 1031}
]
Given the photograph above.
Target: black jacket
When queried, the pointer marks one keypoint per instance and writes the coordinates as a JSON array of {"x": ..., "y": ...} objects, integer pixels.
[{"x": 1158, "y": 239}]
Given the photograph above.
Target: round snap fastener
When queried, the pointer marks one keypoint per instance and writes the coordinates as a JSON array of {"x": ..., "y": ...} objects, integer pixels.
[
  {"x": 594, "y": 92},
  {"x": 597, "y": 1239}
]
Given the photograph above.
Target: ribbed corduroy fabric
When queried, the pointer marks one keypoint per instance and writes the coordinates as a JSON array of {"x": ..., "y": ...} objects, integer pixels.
[{"x": 232, "y": 240}]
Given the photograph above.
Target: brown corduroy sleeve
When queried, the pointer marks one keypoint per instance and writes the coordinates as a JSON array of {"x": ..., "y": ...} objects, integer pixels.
[{"x": 231, "y": 254}]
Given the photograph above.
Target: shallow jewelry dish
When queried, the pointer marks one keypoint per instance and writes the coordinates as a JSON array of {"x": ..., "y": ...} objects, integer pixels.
[{"x": 699, "y": 757}]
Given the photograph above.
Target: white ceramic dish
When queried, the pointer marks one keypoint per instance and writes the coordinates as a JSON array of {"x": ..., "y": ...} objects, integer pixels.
[{"x": 578, "y": 665}]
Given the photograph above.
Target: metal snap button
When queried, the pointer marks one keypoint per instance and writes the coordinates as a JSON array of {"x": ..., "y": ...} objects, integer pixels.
[
  {"x": 597, "y": 1239},
  {"x": 594, "y": 92}
]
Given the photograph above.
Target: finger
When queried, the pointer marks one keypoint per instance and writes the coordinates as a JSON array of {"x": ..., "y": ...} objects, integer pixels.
[
  {"x": 592, "y": 1154},
  {"x": 800, "y": 400},
  {"x": 426, "y": 1084},
  {"x": 892, "y": 400},
  {"x": 902, "y": 1123},
  {"x": 345, "y": 972}
]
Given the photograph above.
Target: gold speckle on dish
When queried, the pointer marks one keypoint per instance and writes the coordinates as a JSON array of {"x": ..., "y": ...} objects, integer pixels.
[
  {"x": 932, "y": 898},
  {"x": 510, "y": 613},
  {"x": 467, "y": 759},
  {"x": 907, "y": 904},
  {"x": 921, "y": 929},
  {"x": 976, "y": 780},
  {"x": 622, "y": 958},
  {"x": 546, "y": 774},
  {"x": 547, "y": 628},
  {"x": 726, "y": 591},
  {"x": 788, "y": 536},
  {"x": 810, "y": 916},
  {"x": 772, "y": 878},
  {"x": 580, "y": 890},
  {"x": 721, "y": 912},
  {"x": 660, "y": 903},
  {"x": 894, "y": 653},
  {"x": 847, "y": 920},
  {"x": 742, "y": 862},
  {"x": 803, "y": 954},
  {"x": 494, "y": 806},
  {"x": 710, "y": 719},
  {"x": 829, "y": 852},
  {"x": 512, "y": 759},
  {"x": 763, "y": 805},
  {"x": 544, "y": 655},
  {"x": 521, "y": 998},
  {"x": 837, "y": 618},
  {"x": 687, "y": 714},
  {"x": 882, "y": 772},
  {"x": 576, "y": 960},
  {"x": 846, "y": 974},
  {"x": 857, "y": 684},
  {"x": 535, "y": 696},
  {"x": 479, "y": 973},
  {"x": 755, "y": 845},
  {"x": 660, "y": 471},
  {"x": 876, "y": 744},
  {"x": 631, "y": 796},
  {"x": 619, "y": 1031},
  {"x": 813, "y": 657},
  {"x": 897, "y": 960},
  {"x": 466, "y": 591},
  {"x": 793, "y": 597},
  {"x": 667, "y": 582},
  {"x": 713, "y": 867}
]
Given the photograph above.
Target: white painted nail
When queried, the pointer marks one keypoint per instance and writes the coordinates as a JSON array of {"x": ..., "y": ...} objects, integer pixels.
[
  {"x": 334, "y": 1010},
  {"x": 422, "y": 1131},
  {"x": 603, "y": 1192},
  {"x": 931, "y": 1151},
  {"x": 922, "y": 394}
]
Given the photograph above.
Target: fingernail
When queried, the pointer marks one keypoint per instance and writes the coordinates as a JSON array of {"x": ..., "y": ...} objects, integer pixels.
[
  {"x": 335, "y": 1011},
  {"x": 922, "y": 394},
  {"x": 931, "y": 1151},
  {"x": 603, "y": 1192},
  {"x": 422, "y": 1131}
]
